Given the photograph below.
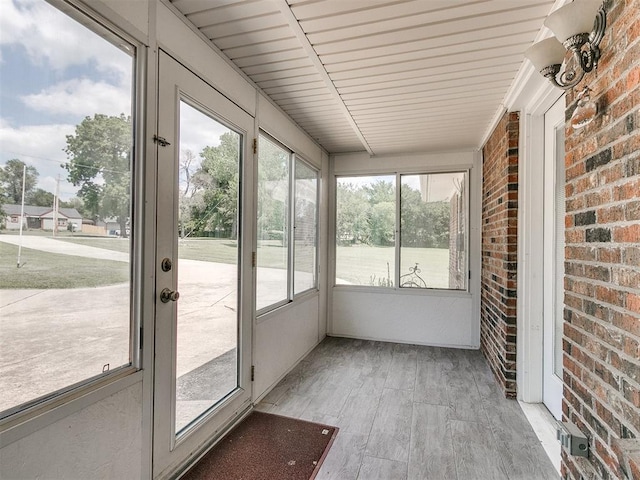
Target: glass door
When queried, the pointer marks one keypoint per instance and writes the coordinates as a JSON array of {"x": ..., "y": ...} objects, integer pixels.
[
  {"x": 554, "y": 212},
  {"x": 202, "y": 350}
]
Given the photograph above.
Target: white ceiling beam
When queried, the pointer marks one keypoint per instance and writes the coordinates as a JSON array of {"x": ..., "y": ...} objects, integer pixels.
[{"x": 313, "y": 56}]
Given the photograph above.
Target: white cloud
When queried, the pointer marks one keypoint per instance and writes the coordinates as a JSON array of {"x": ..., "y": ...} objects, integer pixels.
[
  {"x": 40, "y": 146},
  {"x": 198, "y": 130},
  {"x": 81, "y": 97},
  {"x": 48, "y": 34}
]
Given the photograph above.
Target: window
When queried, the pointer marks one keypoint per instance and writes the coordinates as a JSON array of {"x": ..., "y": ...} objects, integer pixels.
[
  {"x": 305, "y": 227},
  {"x": 67, "y": 136},
  {"x": 286, "y": 230},
  {"x": 365, "y": 230},
  {"x": 431, "y": 241}
]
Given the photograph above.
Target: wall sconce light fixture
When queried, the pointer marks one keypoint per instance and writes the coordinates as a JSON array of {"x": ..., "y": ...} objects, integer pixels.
[{"x": 578, "y": 27}]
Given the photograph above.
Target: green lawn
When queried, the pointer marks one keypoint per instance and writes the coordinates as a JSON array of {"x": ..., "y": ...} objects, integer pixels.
[
  {"x": 49, "y": 270},
  {"x": 366, "y": 265}
]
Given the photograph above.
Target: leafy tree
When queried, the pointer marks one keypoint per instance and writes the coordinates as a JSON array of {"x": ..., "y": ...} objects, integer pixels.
[
  {"x": 11, "y": 180},
  {"x": 352, "y": 225},
  {"x": 76, "y": 203},
  {"x": 382, "y": 213},
  {"x": 273, "y": 191},
  {"x": 40, "y": 198},
  {"x": 209, "y": 200},
  {"x": 99, "y": 163}
]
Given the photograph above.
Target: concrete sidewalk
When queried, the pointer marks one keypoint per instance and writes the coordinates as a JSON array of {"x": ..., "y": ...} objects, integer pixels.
[{"x": 48, "y": 244}]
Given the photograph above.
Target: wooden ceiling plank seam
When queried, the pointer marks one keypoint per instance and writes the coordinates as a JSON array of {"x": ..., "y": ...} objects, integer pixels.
[
  {"x": 422, "y": 114},
  {"x": 248, "y": 39},
  {"x": 434, "y": 91},
  {"x": 230, "y": 13},
  {"x": 326, "y": 23},
  {"x": 270, "y": 58},
  {"x": 416, "y": 33},
  {"x": 425, "y": 119},
  {"x": 421, "y": 44},
  {"x": 317, "y": 9},
  {"x": 418, "y": 66},
  {"x": 417, "y": 98},
  {"x": 437, "y": 21},
  {"x": 304, "y": 41},
  {"x": 191, "y": 6},
  {"x": 475, "y": 49},
  {"x": 316, "y": 94},
  {"x": 290, "y": 81},
  {"x": 381, "y": 105},
  {"x": 298, "y": 87},
  {"x": 258, "y": 48},
  {"x": 462, "y": 76},
  {"x": 452, "y": 70},
  {"x": 283, "y": 74},
  {"x": 277, "y": 66},
  {"x": 405, "y": 112}
]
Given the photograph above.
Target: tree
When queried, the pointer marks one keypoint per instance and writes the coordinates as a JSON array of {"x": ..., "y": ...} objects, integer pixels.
[
  {"x": 40, "y": 198},
  {"x": 209, "y": 196},
  {"x": 11, "y": 180},
  {"x": 352, "y": 225},
  {"x": 273, "y": 191},
  {"x": 99, "y": 163}
]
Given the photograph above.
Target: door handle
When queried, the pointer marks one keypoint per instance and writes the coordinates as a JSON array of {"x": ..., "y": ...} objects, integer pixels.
[{"x": 168, "y": 295}]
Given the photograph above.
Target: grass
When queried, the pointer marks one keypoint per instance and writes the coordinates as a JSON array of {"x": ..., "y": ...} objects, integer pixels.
[
  {"x": 358, "y": 265},
  {"x": 42, "y": 270},
  {"x": 365, "y": 265}
]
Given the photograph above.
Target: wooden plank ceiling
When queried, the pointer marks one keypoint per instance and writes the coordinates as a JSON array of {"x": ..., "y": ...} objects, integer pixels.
[{"x": 386, "y": 76}]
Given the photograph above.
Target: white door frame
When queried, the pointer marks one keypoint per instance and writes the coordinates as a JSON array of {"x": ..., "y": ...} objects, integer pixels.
[
  {"x": 171, "y": 454},
  {"x": 530, "y": 245}
]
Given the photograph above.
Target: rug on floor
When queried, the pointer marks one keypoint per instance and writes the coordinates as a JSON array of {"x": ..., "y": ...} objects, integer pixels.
[{"x": 267, "y": 447}]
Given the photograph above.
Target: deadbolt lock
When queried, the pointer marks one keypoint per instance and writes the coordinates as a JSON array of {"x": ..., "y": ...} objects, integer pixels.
[
  {"x": 168, "y": 295},
  {"x": 166, "y": 264}
]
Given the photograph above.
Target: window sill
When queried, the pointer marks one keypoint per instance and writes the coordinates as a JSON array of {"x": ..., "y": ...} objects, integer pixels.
[
  {"x": 280, "y": 309},
  {"x": 429, "y": 292}
]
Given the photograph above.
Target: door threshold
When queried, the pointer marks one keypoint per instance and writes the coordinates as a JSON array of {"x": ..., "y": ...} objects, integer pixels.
[{"x": 544, "y": 426}]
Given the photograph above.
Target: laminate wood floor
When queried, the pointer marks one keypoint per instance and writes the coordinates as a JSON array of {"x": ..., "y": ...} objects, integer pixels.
[{"x": 410, "y": 412}]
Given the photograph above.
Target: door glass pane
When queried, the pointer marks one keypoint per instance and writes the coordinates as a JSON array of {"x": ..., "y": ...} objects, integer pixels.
[
  {"x": 305, "y": 233},
  {"x": 365, "y": 230},
  {"x": 432, "y": 231},
  {"x": 559, "y": 251},
  {"x": 66, "y": 149},
  {"x": 273, "y": 217},
  {"x": 208, "y": 252}
]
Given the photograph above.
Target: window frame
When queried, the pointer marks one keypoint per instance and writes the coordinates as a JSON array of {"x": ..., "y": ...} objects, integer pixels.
[
  {"x": 27, "y": 417},
  {"x": 293, "y": 157},
  {"x": 398, "y": 174}
]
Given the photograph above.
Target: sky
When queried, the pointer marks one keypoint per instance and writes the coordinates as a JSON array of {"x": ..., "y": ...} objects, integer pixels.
[{"x": 53, "y": 73}]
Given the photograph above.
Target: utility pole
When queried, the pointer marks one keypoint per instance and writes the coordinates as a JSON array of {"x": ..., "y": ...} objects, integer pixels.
[
  {"x": 56, "y": 205},
  {"x": 24, "y": 183}
]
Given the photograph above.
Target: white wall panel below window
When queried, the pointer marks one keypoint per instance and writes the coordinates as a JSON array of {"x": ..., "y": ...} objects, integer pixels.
[{"x": 443, "y": 319}]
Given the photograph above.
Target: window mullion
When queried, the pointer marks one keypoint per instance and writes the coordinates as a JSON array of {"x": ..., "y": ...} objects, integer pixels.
[
  {"x": 398, "y": 233},
  {"x": 291, "y": 226}
]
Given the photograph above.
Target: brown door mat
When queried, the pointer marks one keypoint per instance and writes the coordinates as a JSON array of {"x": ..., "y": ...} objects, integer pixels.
[{"x": 267, "y": 447}]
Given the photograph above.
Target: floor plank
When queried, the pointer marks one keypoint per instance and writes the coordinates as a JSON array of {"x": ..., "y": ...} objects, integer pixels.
[
  {"x": 382, "y": 469},
  {"x": 444, "y": 418},
  {"x": 431, "y": 450}
]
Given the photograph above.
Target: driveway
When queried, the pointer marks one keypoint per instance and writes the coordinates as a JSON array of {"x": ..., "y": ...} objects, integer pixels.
[{"x": 52, "y": 338}]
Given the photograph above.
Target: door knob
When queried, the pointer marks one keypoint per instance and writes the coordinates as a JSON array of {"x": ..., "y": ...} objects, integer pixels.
[{"x": 168, "y": 295}]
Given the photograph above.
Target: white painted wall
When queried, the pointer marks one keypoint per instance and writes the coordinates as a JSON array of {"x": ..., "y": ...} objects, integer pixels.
[
  {"x": 102, "y": 440},
  {"x": 282, "y": 338},
  {"x": 432, "y": 317}
]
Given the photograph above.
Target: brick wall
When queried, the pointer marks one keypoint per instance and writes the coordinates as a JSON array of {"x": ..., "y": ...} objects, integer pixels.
[
  {"x": 499, "y": 251},
  {"x": 602, "y": 268}
]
